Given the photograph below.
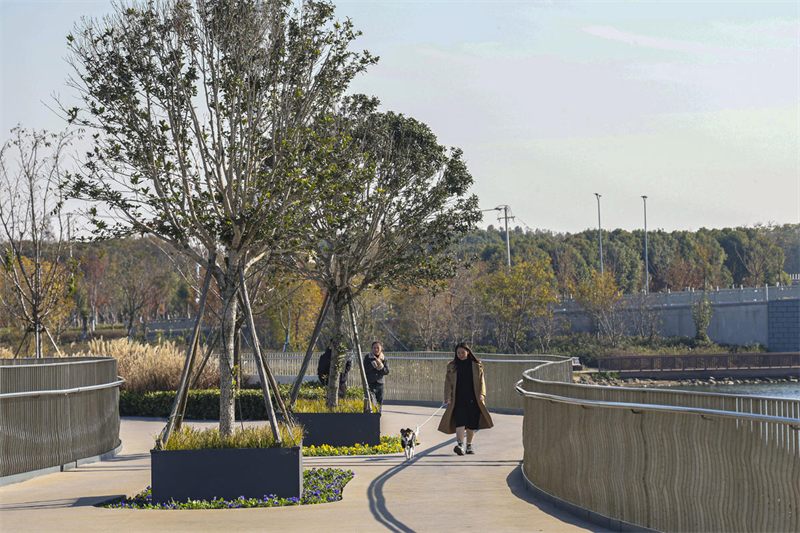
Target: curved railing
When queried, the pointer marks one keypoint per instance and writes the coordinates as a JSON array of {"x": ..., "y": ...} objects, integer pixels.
[
  {"x": 57, "y": 411},
  {"x": 419, "y": 376},
  {"x": 663, "y": 460}
]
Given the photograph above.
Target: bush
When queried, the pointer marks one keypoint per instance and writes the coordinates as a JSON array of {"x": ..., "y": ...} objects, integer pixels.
[{"x": 204, "y": 404}]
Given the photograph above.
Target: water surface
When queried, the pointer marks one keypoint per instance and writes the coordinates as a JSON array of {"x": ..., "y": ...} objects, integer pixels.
[{"x": 773, "y": 390}]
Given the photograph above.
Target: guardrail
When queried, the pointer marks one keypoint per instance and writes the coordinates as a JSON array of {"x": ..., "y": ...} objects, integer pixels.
[
  {"x": 663, "y": 460},
  {"x": 56, "y": 411},
  {"x": 419, "y": 376},
  {"x": 687, "y": 298},
  {"x": 653, "y": 365}
]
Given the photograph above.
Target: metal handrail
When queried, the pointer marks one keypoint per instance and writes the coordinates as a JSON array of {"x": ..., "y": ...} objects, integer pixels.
[
  {"x": 7, "y": 395},
  {"x": 46, "y": 361},
  {"x": 794, "y": 423}
]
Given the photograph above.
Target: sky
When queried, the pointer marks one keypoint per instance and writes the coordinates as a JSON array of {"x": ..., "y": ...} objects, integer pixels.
[{"x": 694, "y": 104}]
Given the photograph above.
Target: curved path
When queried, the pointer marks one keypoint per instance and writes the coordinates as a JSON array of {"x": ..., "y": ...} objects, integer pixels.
[{"x": 437, "y": 491}]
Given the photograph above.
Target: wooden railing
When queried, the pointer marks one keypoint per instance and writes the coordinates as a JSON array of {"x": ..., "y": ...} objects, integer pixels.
[
  {"x": 56, "y": 411},
  {"x": 683, "y": 363},
  {"x": 663, "y": 460}
]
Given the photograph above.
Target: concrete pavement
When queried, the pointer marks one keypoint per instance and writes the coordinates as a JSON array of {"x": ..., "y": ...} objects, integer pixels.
[{"x": 437, "y": 491}]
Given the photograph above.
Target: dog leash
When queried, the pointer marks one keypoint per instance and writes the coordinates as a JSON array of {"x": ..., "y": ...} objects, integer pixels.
[{"x": 429, "y": 418}]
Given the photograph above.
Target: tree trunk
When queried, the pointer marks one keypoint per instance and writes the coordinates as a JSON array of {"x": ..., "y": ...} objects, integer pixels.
[
  {"x": 37, "y": 337},
  {"x": 359, "y": 359},
  {"x": 338, "y": 350},
  {"x": 228, "y": 339}
]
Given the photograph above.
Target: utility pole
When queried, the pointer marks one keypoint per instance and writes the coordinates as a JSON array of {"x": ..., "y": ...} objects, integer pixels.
[
  {"x": 599, "y": 233},
  {"x": 646, "y": 262},
  {"x": 506, "y": 216},
  {"x": 505, "y": 210}
]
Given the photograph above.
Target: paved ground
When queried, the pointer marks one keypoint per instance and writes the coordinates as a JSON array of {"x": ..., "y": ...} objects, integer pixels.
[{"x": 436, "y": 492}]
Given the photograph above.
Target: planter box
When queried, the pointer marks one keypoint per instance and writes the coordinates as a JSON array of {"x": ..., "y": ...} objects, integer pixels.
[
  {"x": 340, "y": 429},
  {"x": 182, "y": 475}
]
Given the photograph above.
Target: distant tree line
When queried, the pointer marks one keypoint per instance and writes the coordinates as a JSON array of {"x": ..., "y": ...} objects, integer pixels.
[{"x": 133, "y": 282}]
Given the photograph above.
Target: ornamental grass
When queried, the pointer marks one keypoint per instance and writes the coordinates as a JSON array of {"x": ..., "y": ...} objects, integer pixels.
[
  {"x": 189, "y": 438},
  {"x": 320, "y": 485},
  {"x": 317, "y": 405},
  {"x": 149, "y": 368}
]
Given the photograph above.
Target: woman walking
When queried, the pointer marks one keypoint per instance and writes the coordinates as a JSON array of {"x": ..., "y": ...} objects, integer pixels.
[
  {"x": 376, "y": 368},
  {"x": 464, "y": 394}
]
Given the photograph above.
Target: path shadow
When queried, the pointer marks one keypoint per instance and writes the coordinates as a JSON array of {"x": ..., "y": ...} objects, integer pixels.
[
  {"x": 86, "y": 501},
  {"x": 516, "y": 484},
  {"x": 377, "y": 501}
]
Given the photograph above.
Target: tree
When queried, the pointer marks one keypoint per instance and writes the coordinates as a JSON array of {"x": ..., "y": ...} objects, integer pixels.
[
  {"x": 762, "y": 257},
  {"x": 290, "y": 309},
  {"x": 514, "y": 296},
  {"x": 37, "y": 276},
  {"x": 397, "y": 228},
  {"x": 601, "y": 298},
  {"x": 96, "y": 274},
  {"x": 208, "y": 129},
  {"x": 465, "y": 309},
  {"x": 423, "y": 318},
  {"x": 702, "y": 311}
]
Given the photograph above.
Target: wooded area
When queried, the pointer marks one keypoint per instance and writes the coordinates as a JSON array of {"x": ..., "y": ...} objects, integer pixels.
[{"x": 134, "y": 282}]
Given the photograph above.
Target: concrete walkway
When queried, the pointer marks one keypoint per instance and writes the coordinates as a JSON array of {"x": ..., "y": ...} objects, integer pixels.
[{"x": 438, "y": 491}]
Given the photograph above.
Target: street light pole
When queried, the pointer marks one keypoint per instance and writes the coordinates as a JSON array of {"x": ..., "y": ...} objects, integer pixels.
[
  {"x": 599, "y": 233},
  {"x": 646, "y": 261}
]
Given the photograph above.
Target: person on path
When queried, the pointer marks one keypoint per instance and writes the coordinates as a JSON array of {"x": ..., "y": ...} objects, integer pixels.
[
  {"x": 464, "y": 395},
  {"x": 377, "y": 368},
  {"x": 324, "y": 365},
  {"x": 324, "y": 368}
]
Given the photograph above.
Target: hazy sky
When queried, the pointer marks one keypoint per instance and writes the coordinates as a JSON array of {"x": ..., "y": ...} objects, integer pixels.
[{"x": 694, "y": 104}]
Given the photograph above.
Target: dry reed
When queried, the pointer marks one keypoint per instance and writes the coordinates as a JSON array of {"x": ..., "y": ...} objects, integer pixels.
[{"x": 148, "y": 368}]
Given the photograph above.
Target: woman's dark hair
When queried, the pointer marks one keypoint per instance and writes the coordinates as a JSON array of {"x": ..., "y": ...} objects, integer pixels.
[
  {"x": 379, "y": 343},
  {"x": 465, "y": 346}
]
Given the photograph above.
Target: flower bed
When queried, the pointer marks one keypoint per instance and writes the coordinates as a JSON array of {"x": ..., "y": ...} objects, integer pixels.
[
  {"x": 387, "y": 445},
  {"x": 321, "y": 485}
]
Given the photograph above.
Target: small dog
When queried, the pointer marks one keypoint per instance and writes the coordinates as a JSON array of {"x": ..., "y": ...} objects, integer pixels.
[{"x": 408, "y": 439}]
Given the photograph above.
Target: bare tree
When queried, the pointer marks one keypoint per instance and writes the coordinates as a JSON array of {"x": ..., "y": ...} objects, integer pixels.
[
  {"x": 36, "y": 272},
  {"x": 209, "y": 117}
]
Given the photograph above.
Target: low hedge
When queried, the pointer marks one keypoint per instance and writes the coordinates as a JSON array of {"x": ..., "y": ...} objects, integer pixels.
[{"x": 204, "y": 404}]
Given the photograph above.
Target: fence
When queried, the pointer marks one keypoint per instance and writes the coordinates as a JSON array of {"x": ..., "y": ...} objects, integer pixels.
[
  {"x": 715, "y": 297},
  {"x": 56, "y": 411},
  {"x": 419, "y": 376},
  {"x": 654, "y": 365},
  {"x": 664, "y": 460}
]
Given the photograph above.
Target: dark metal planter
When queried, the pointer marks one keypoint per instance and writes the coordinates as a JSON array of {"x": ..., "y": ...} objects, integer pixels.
[
  {"x": 340, "y": 429},
  {"x": 182, "y": 475}
]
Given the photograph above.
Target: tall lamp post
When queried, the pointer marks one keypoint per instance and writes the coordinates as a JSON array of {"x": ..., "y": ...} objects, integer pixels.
[
  {"x": 646, "y": 261},
  {"x": 599, "y": 233}
]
